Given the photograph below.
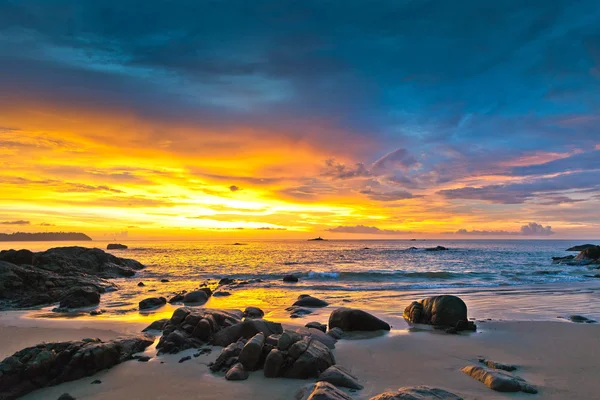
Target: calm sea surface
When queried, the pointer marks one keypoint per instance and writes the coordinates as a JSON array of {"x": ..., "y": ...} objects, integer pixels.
[{"x": 511, "y": 279}]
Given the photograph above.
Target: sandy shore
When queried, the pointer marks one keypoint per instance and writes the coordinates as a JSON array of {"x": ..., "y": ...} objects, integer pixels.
[{"x": 559, "y": 358}]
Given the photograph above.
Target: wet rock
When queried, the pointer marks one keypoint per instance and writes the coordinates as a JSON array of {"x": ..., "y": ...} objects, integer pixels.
[
  {"x": 80, "y": 297},
  {"x": 274, "y": 363},
  {"x": 49, "y": 364},
  {"x": 273, "y": 340},
  {"x": 417, "y": 393},
  {"x": 497, "y": 365},
  {"x": 580, "y": 248},
  {"x": 253, "y": 313},
  {"x": 178, "y": 298},
  {"x": 317, "y": 325},
  {"x": 440, "y": 311},
  {"x": 230, "y": 352},
  {"x": 562, "y": 260},
  {"x": 237, "y": 373},
  {"x": 339, "y": 377},
  {"x": 312, "y": 362},
  {"x": 195, "y": 297},
  {"x": 498, "y": 380},
  {"x": 290, "y": 279},
  {"x": 591, "y": 254},
  {"x": 298, "y": 348},
  {"x": 436, "y": 248},
  {"x": 287, "y": 339},
  {"x": 141, "y": 284},
  {"x": 352, "y": 319},
  {"x": 144, "y": 358},
  {"x": 298, "y": 312},
  {"x": 581, "y": 319},
  {"x": 164, "y": 280},
  {"x": 246, "y": 329},
  {"x": 94, "y": 313},
  {"x": 252, "y": 351},
  {"x": 184, "y": 359},
  {"x": 226, "y": 281},
  {"x": 321, "y": 391},
  {"x": 309, "y": 301},
  {"x": 158, "y": 325},
  {"x": 116, "y": 246},
  {"x": 152, "y": 302},
  {"x": 221, "y": 294},
  {"x": 317, "y": 334}
]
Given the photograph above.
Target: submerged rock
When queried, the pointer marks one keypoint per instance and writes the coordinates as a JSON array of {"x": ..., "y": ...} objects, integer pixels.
[
  {"x": 498, "y": 380},
  {"x": 152, "y": 302},
  {"x": 436, "y": 248},
  {"x": 440, "y": 311},
  {"x": 417, "y": 393},
  {"x": 309, "y": 301},
  {"x": 321, "y": 391},
  {"x": 290, "y": 278},
  {"x": 352, "y": 319},
  {"x": 49, "y": 364}
]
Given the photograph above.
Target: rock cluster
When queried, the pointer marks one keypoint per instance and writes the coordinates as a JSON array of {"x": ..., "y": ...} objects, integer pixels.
[
  {"x": 589, "y": 254},
  {"x": 443, "y": 312},
  {"x": 49, "y": 364},
  {"x": 417, "y": 393},
  {"x": 75, "y": 276}
]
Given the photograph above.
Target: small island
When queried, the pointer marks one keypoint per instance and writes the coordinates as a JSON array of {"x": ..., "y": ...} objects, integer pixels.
[
  {"x": 116, "y": 246},
  {"x": 317, "y": 238},
  {"x": 43, "y": 237}
]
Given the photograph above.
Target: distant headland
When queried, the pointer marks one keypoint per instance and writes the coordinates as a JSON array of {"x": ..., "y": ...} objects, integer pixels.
[{"x": 43, "y": 236}]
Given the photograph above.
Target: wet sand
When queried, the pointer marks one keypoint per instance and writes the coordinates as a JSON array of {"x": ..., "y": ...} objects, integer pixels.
[{"x": 559, "y": 358}]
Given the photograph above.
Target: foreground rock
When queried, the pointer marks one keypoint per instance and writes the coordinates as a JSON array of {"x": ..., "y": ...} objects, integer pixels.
[
  {"x": 352, "y": 319},
  {"x": 237, "y": 373},
  {"x": 498, "y": 380},
  {"x": 339, "y": 377},
  {"x": 440, "y": 311},
  {"x": 196, "y": 297},
  {"x": 158, "y": 325},
  {"x": 81, "y": 297},
  {"x": 152, "y": 302},
  {"x": 246, "y": 330},
  {"x": 30, "y": 279},
  {"x": 321, "y": 391},
  {"x": 49, "y": 364},
  {"x": 116, "y": 246},
  {"x": 417, "y": 393}
]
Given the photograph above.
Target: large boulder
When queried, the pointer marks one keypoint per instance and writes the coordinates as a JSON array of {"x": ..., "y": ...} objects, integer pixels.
[
  {"x": 252, "y": 351},
  {"x": 321, "y": 391},
  {"x": 152, "y": 302},
  {"x": 417, "y": 393},
  {"x": 246, "y": 329},
  {"x": 591, "y": 254},
  {"x": 312, "y": 362},
  {"x": 196, "y": 297},
  {"x": 499, "y": 381},
  {"x": 440, "y": 311},
  {"x": 253, "y": 313},
  {"x": 274, "y": 363},
  {"x": 80, "y": 297},
  {"x": 237, "y": 373},
  {"x": 352, "y": 319},
  {"x": 309, "y": 301},
  {"x": 49, "y": 364}
]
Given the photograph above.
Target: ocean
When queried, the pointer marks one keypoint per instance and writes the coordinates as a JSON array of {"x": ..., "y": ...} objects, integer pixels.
[{"x": 499, "y": 279}]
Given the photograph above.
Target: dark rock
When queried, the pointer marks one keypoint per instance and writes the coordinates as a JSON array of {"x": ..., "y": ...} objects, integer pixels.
[
  {"x": 287, "y": 339},
  {"x": 66, "y": 396},
  {"x": 581, "y": 319},
  {"x": 312, "y": 362},
  {"x": 184, "y": 359},
  {"x": 582, "y": 247},
  {"x": 230, "y": 352},
  {"x": 226, "y": 281},
  {"x": 321, "y": 391},
  {"x": 273, "y": 340},
  {"x": 274, "y": 363},
  {"x": 290, "y": 278},
  {"x": 498, "y": 380},
  {"x": 116, "y": 246},
  {"x": 417, "y": 393},
  {"x": 252, "y": 351},
  {"x": 49, "y": 364},
  {"x": 436, "y": 248},
  {"x": 496, "y": 365},
  {"x": 253, "y": 313},
  {"x": 317, "y": 334},
  {"x": 562, "y": 260},
  {"x": 96, "y": 382},
  {"x": 152, "y": 302},
  {"x": 80, "y": 297},
  {"x": 336, "y": 333},
  {"x": 339, "y": 377},
  {"x": 351, "y": 319},
  {"x": 299, "y": 312},
  {"x": 237, "y": 373},
  {"x": 309, "y": 301},
  {"x": 221, "y": 294},
  {"x": 178, "y": 298},
  {"x": 164, "y": 280},
  {"x": 144, "y": 358},
  {"x": 158, "y": 325},
  {"x": 141, "y": 284},
  {"x": 317, "y": 325},
  {"x": 246, "y": 330},
  {"x": 591, "y": 254},
  {"x": 440, "y": 311},
  {"x": 197, "y": 297},
  {"x": 94, "y": 313}
]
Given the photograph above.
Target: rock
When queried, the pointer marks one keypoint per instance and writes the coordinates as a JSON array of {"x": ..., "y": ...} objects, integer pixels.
[
  {"x": 562, "y": 260},
  {"x": 158, "y": 325},
  {"x": 582, "y": 247},
  {"x": 246, "y": 329},
  {"x": 498, "y": 380},
  {"x": 309, "y": 301},
  {"x": 144, "y": 358},
  {"x": 321, "y": 391},
  {"x": 339, "y": 377},
  {"x": 581, "y": 319},
  {"x": 164, "y": 280},
  {"x": 317, "y": 325},
  {"x": 94, "y": 313},
  {"x": 436, "y": 248},
  {"x": 66, "y": 396},
  {"x": 152, "y": 302},
  {"x": 253, "y": 313},
  {"x": 496, "y": 365},
  {"x": 96, "y": 382},
  {"x": 197, "y": 296},
  {"x": 250, "y": 355},
  {"x": 36, "y": 279},
  {"x": 287, "y": 339},
  {"x": 591, "y": 254},
  {"x": 312, "y": 362},
  {"x": 49, "y": 364},
  {"x": 226, "y": 281},
  {"x": 178, "y": 298},
  {"x": 336, "y": 333},
  {"x": 273, "y": 340},
  {"x": 221, "y": 294},
  {"x": 229, "y": 352},
  {"x": 417, "y": 393},
  {"x": 298, "y": 312},
  {"x": 141, "y": 284},
  {"x": 237, "y": 373},
  {"x": 317, "y": 334},
  {"x": 440, "y": 311},
  {"x": 80, "y": 297},
  {"x": 184, "y": 359},
  {"x": 116, "y": 246},
  {"x": 352, "y": 319},
  {"x": 290, "y": 279},
  {"x": 298, "y": 348},
  {"x": 274, "y": 363}
]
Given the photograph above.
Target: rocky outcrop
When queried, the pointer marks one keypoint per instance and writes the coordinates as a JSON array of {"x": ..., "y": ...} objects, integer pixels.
[
  {"x": 499, "y": 381},
  {"x": 581, "y": 247},
  {"x": 417, "y": 393},
  {"x": 80, "y": 297},
  {"x": 49, "y": 364},
  {"x": 340, "y": 377},
  {"x": 352, "y": 319},
  {"x": 116, "y": 246},
  {"x": 321, "y": 391},
  {"x": 158, "y": 325},
  {"x": 440, "y": 311},
  {"x": 591, "y": 254},
  {"x": 30, "y": 279},
  {"x": 152, "y": 302}
]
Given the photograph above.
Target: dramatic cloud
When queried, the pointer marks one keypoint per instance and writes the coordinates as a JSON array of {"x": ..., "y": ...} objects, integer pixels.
[
  {"x": 535, "y": 229},
  {"x": 19, "y": 222},
  {"x": 399, "y": 159},
  {"x": 366, "y": 230},
  {"x": 387, "y": 196},
  {"x": 337, "y": 170},
  {"x": 531, "y": 229}
]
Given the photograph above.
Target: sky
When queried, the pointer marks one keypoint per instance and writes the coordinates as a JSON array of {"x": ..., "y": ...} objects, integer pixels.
[{"x": 285, "y": 119}]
